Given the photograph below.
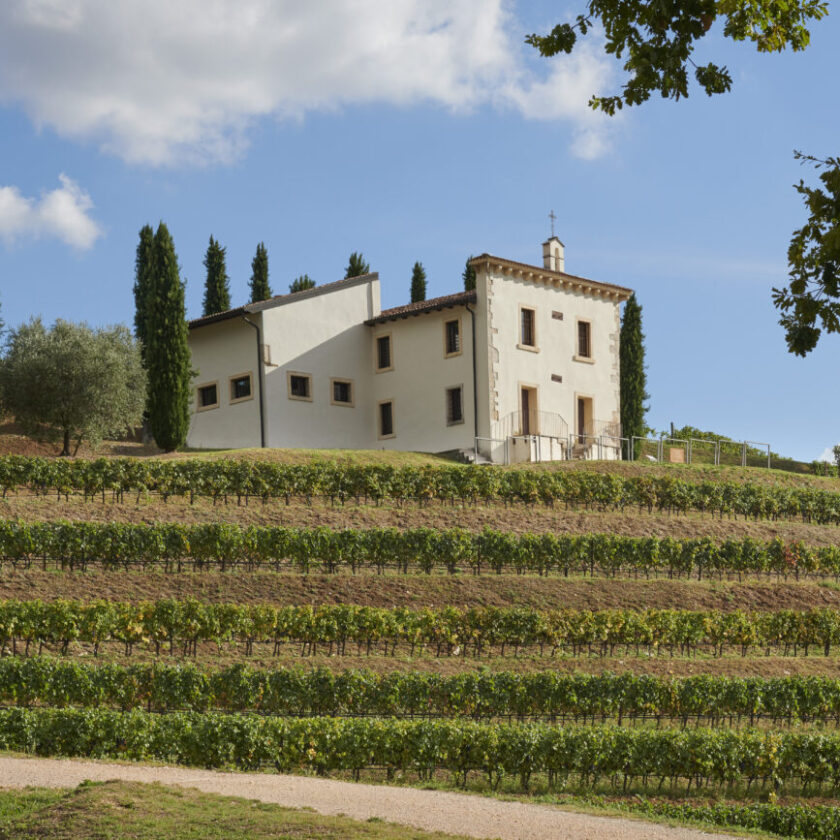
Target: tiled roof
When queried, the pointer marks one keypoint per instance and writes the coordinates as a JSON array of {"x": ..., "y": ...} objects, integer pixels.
[{"x": 458, "y": 299}]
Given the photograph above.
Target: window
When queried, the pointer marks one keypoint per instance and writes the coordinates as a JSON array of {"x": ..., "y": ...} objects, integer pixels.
[
  {"x": 208, "y": 396},
  {"x": 383, "y": 353},
  {"x": 527, "y": 328},
  {"x": 386, "y": 419},
  {"x": 584, "y": 340},
  {"x": 454, "y": 406},
  {"x": 300, "y": 386},
  {"x": 452, "y": 337},
  {"x": 240, "y": 387},
  {"x": 342, "y": 391}
]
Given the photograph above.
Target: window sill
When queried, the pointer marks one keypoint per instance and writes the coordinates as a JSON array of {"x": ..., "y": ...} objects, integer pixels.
[
  {"x": 452, "y": 355},
  {"x": 206, "y": 408},
  {"x": 300, "y": 399},
  {"x": 529, "y": 347},
  {"x": 587, "y": 360},
  {"x": 342, "y": 404},
  {"x": 384, "y": 370},
  {"x": 386, "y": 437},
  {"x": 242, "y": 399},
  {"x": 455, "y": 422}
]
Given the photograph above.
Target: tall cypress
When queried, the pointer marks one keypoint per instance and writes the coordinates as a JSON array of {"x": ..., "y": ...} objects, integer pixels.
[
  {"x": 216, "y": 287},
  {"x": 143, "y": 283},
  {"x": 633, "y": 378},
  {"x": 260, "y": 290},
  {"x": 468, "y": 276},
  {"x": 356, "y": 265},
  {"x": 418, "y": 283},
  {"x": 167, "y": 353}
]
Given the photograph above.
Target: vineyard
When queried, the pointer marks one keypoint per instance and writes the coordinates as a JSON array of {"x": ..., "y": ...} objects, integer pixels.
[{"x": 456, "y": 691}]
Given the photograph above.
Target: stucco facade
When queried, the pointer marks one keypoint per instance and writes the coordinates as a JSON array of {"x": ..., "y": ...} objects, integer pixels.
[{"x": 527, "y": 363}]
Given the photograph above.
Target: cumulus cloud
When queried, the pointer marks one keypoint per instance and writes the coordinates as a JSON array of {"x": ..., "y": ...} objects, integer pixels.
[
  {"x": 61, "y": 213},
  {"x": 827, "y": 455},
  {"x": 158, "y": 82}
]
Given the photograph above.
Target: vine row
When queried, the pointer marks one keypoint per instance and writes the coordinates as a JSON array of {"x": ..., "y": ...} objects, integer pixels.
[
  {"x": 220, "y": 479},
  {"x": 448, "y": 631},
  {"x": 717, "y": 701},
  {"x": 565, "y": 755},
  {"x": 76, "y": 545}
]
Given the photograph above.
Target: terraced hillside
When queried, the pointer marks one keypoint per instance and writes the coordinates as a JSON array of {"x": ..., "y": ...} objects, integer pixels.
[{"x": 657, "y": 637}]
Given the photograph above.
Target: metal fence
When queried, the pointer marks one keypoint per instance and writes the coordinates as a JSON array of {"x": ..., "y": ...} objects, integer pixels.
[{"x": 741, "y": 453}]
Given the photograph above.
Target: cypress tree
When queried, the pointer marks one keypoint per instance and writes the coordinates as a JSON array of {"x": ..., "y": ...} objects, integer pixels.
[
  {"x": 167, "y": 353},
  {"x": 418, "y": 283},
  {"x": 216, "y": 287},
  {"x": 143, "y": 283},
  {"x": 357, "y": 266},
  {"x": 468, "y": 276},
  {"x": 302, "y": 283},
  {"x": 260, "y": 290},
  {"x": 633, "y": 377}
]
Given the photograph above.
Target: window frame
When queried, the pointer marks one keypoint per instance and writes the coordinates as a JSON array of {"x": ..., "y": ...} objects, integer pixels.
[
  {"x": 307, "y": 376},
  {"x": 199, "y": 389},
  {"x": 579, "y": 357},
  {"x": 446, "y": 353},
  {"x": 448, "y": 405},
  {"x": 376, "y": 338},
  {"x": 245, "y": 374},
  {"x": 531, "y": 348},
  {"x": 351, "y": 403},
  {"x": 379, "y": 434}
]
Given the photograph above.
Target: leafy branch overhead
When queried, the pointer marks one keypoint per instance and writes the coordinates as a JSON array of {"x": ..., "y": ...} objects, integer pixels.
[
  {"x": 657, "y": 40},
  {"x": 813, "y": 294}
]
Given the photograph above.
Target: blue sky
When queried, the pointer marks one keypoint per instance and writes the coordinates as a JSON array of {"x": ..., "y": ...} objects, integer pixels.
[{"x": 417, "y": 130}]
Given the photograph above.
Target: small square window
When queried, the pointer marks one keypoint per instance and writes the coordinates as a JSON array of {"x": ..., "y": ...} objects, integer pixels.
[
  {"x": 240, "y": 387},
  {"x": 208, "y": 396},
  {"x": 300, "y": 386},
  {"x": 386, "y": 419},
  {"x": 584, "y": 339},
  {"x": 454, "y": 405},
  {"x": 527, "y": 332},
  {"x": 452, "y": 338},
  {"x": 383, "y": 352},
  {"x": 342, "y": 392}
]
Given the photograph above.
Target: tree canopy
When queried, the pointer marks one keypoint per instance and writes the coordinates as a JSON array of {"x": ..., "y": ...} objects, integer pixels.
[
  {"x": 418, "y": 283},
  {"x": 468, "y": 276},
  {"x": 657, "y": 40},
  {"x": 633, "y": 385},
  {"x": 216, "y": 286},
  {"x": 356, "y": 265},
  {"x": 168, "y": 353},
  {"x": 260, "y": 290},
  {"x": 302, "y": 283},
  {"x": 813, "y": 295},
  {"x": 71, "y": 381}
]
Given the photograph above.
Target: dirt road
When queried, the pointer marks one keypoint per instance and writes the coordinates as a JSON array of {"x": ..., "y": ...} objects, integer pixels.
[{"x": 454, "y": 813}]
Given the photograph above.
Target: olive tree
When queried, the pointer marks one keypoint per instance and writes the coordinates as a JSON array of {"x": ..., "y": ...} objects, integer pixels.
[{"x": 73, "y": 382}]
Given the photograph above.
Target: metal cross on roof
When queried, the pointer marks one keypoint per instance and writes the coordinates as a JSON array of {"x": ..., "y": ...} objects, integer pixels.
[{"x": 553, "y": 219}]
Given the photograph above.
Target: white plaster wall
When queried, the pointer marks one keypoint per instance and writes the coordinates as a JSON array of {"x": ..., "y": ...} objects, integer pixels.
[
  {"x": 418, "y": 382},
  {"x": 220, "y": 351},
  {"x": 323, "y": 336},
  {"x": 510, "y": 367}
]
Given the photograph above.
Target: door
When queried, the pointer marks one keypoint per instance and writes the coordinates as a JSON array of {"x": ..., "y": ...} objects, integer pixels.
[{"x": 528, "y": 401}]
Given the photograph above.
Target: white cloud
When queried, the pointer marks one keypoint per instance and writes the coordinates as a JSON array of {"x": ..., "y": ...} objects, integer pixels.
[
  {"x": 159, "y": 82},
  {"x": 60, "y": 213},
  {"x": 827, "y": 455}
]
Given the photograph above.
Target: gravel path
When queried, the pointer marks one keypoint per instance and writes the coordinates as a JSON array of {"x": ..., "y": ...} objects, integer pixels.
[{"x": 453, "y": 813}]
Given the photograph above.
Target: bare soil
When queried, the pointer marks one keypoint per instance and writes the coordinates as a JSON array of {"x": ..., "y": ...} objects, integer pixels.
[{"x": 416, "y": 591}]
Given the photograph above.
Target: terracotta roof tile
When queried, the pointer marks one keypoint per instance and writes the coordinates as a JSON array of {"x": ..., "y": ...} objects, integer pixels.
[{"x": 458, "y": 299}]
